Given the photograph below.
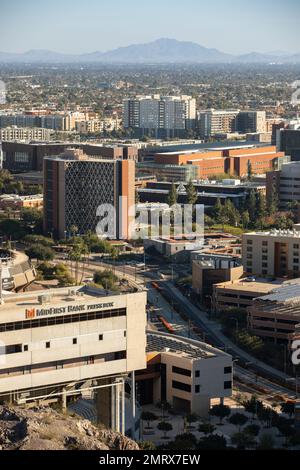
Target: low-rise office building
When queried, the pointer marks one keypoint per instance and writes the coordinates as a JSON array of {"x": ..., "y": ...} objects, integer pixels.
[
  {"x": 275, "y": 253},
  {"x": 240, "y": 293},
  {"x": 210, "y": 269},
  {"x": 14, "y": 201},
  {"x": 186, "y": 373},
  {"x": 277, "y": 315},
  {"x": 208, "y": 191},
  {"x": 58, "y": 341}
]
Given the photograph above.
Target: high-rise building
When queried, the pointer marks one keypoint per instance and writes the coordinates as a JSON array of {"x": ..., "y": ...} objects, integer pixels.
[
  {"x": 286, "y": 184},
  {"x": 160, "y": 116},
  {"x": 214, "y": 122},
  {"x": 288, "y": 141},
  {"x": 75, "y": 185},
  {"x": 251, "y": 122}
]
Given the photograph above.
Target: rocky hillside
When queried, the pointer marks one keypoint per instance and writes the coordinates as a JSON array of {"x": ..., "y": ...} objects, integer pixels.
[{"x": 46, "y": 429}]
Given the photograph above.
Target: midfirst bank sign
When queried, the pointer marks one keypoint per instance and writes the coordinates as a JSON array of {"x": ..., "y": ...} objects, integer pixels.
[{"x": 45, "y": 312}]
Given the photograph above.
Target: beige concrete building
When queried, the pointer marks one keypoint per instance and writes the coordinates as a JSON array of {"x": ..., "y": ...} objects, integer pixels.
[
  {"x": 208, "y": 270},
  {"x": 55, "y": 343},
  {"x": 275, "y": 253},
  {"x": 186, "y": 373},
  {"x": 240, "y": 293},
  {"x": 277, "y": 315}
]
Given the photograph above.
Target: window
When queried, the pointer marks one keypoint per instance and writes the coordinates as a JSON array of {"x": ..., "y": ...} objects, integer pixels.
[
  {"x": 296, "y": 247},
  {"x": 100, "y": 337},
  {"x": 228, "y": 385},
  {"x": 48, "y": 345},
  {"x": 264, "y": 243},
  {"x": 228, "y": 370},
  {"x": 249, "y": 249},
  {"x": 25, "y": 347},
  {"x": 197, "y": 389},
  {"x": 264, "y": 265},
  {"x": 180, "y": 371},
  {"x": 21, "y": 157},
  {"x": 74, "y": 340},
  {"x": 13, "y": 348},
  {"x": 181, "y": 386},
  {"x": 125, "y": 334},
  {"x": 249, "y": 242},
  {"x": 197, "y": 374}
]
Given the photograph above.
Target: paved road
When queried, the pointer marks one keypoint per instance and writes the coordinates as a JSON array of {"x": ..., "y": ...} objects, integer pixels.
[
  {"x": 200, "y": 318},
  {"x": 211, "y": 330}
]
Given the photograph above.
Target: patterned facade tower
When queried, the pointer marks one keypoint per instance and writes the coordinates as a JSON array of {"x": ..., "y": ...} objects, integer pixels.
[{"x": 75, "y": 185}]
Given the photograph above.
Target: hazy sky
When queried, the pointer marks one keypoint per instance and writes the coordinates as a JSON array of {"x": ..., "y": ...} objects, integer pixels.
[{"x": 77, "y": 26}]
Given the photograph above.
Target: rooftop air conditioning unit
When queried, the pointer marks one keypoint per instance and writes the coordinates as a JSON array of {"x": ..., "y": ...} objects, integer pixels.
[{"x": 44, "y": 299}]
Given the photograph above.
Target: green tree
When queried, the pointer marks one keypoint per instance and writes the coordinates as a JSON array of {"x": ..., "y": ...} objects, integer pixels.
[
  {"x": 243, "y": 440},
  {"x": 253, "y": 405},
  {"x": 253, "y": 429},
  {"x": 217, "y": 210},
  {"x": 206, "y": 428},
  {"x": 245, "y": 219},
  {"x": 172, "y": 196},
  {"x": 165, "y": 428},
  {"x": 191, "y": 193},
  {"x": 39, "y": 239},
  {"x": 273, "y": 201},
  {"x": 106, "y": 279},
  {"x": 149, "y": 417},
  {"x": 238, "y": 419},
  {"x": 249, "y": 170},
  {"x": 288, "y": 408},
  {"x": 12, "y": 229},
  {"x": 252, "y": 205},
  {"x": 266, "y": 442},
  {"x": 261, "y": 205},
  {"x": 220, "y": 411},
  {"x": 40, "y": 252}
]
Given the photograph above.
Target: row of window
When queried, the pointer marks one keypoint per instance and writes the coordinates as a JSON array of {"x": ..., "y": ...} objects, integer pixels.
[
  {"x": 18, "y": 348},
  {"x": 56, "y": 365},
  {"x": 61, "y": 320},
  {"x": 188, "y": 373},
  {"x": 188, "y": 388}
]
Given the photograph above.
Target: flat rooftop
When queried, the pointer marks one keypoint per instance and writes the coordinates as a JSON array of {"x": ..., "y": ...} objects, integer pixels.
[
  {"x": 288, "y": 293},
  {"x": 180, "y": 346},
  {"x": 55, "y": 297},
  {"x": 260, "y": 285}
]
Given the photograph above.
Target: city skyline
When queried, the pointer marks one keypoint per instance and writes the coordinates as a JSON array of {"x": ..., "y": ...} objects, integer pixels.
[{"x": 102, "y": 27}]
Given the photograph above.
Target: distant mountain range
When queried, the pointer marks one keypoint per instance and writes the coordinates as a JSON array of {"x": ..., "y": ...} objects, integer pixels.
[{"x": 156, "y": 52}]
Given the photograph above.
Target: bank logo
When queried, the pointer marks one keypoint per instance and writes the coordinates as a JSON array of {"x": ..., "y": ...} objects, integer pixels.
[{"x": 30, "y": 313}]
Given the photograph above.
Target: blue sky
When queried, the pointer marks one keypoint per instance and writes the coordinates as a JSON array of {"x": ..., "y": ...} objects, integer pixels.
[{"x": 77, "y": 26}]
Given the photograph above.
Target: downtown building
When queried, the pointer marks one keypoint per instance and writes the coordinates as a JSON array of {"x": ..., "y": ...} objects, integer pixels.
[
  {"x": 214, "y": 122},
  {"x": 274, "y": 253},
  {"x": 160, "y": 116},
  {"x": 75, "y": 185},
  {"x": 20, "y": 157},
  {"x": 63, "y": 342}
]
